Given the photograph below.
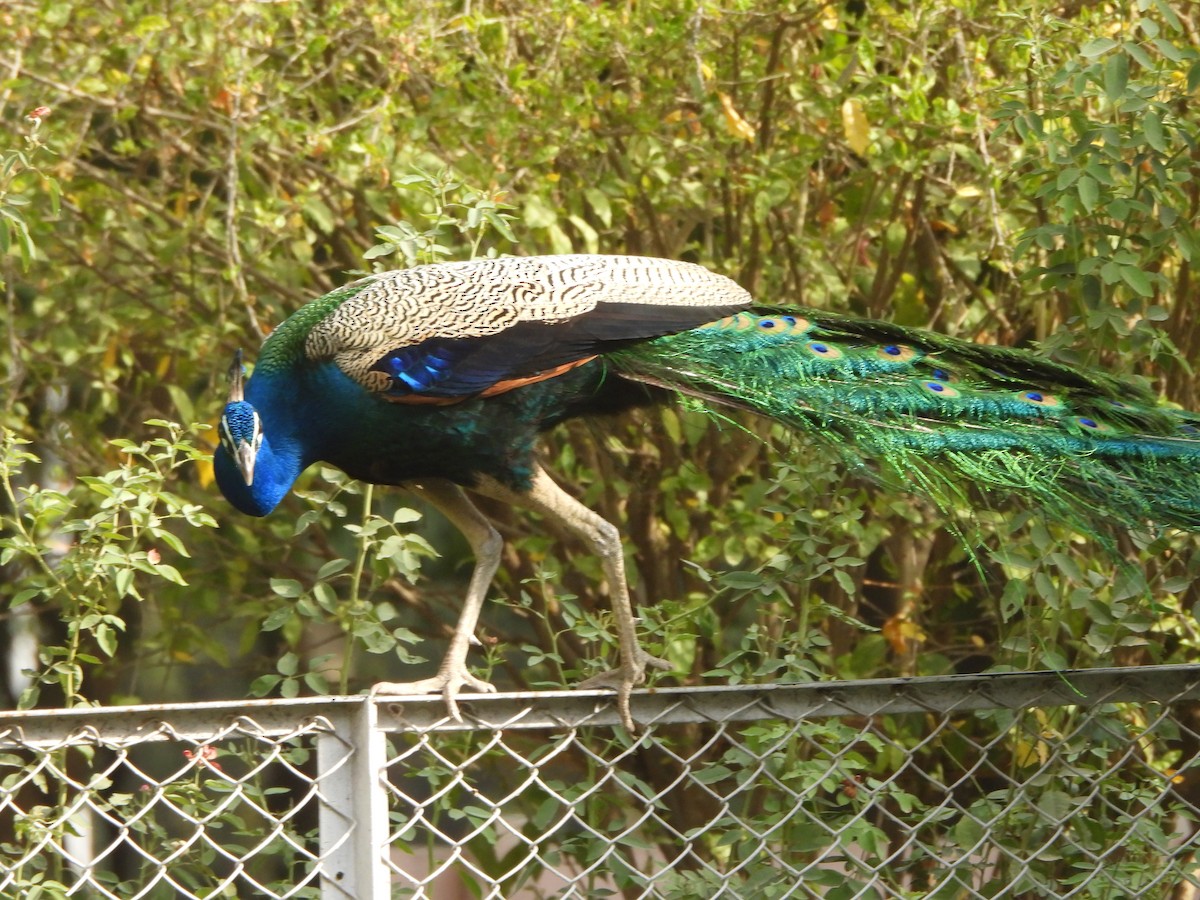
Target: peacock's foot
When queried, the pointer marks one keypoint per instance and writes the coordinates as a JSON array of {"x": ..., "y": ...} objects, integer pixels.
[
  {"x": 449, "y": 680},
  {"x": 623, "y": 680}
]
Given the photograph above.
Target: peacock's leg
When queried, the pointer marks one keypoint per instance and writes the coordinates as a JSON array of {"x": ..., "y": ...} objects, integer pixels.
[
  {"x": 603, "y": 538},
  {"x": 486, "y": 544}
]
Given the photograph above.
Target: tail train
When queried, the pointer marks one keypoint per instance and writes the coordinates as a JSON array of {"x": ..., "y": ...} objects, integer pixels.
[{"x": 935, "y": 413}]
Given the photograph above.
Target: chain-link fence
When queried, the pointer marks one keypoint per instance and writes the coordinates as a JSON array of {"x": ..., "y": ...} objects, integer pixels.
[{"x": 1080, "y": 784}]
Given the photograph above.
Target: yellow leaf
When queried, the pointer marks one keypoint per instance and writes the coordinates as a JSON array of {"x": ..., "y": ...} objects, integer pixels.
[
  {"x": 829, "y": 18},
  {"x": 855, "y": 126},
  {"x": 706, "y": 72},
  {"x": 737, "y": 126},
  {"x": 1028, "y": 753},
  {"x": 204, "y": 472},
  {"x": 902, "y": 633}
]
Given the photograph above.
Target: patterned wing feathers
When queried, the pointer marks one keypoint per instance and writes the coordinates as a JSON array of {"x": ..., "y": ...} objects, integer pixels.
[{"x": 464, "y": 303}]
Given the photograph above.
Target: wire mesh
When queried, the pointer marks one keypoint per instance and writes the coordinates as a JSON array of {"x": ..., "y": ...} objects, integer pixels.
[{"x": 1032, "y": 785}]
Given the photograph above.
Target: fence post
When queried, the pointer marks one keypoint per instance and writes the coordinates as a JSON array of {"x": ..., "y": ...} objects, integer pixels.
[{"x": 353, "y": 822}]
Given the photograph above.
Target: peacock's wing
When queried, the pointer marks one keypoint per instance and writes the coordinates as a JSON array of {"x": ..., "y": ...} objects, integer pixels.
[{"x": 455, "y": 330}]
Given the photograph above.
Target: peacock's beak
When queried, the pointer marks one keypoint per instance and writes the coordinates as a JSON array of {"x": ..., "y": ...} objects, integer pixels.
[{"x": 244, "y": 459}]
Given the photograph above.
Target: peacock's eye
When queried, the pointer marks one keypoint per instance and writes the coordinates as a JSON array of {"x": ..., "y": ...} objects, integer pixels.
[{"x": 226, "y": 437}]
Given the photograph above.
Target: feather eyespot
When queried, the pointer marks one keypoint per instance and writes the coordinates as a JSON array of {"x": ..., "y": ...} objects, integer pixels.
[
  {"x": 736, "y": 322},
  {"x": 1087, "y": 423},
  {"x": 1038, "y": 398},
  {"x": 896, "y": 353},
  {"x": 784, "y": 324},
  {"x": 939, "y": 389},
  {"x": 799, "y": 323},
  {"x": 825, "y": 351}
]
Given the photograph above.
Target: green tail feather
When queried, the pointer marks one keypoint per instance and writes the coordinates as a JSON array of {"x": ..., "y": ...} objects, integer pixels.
[{"x": 939, "y": 414}]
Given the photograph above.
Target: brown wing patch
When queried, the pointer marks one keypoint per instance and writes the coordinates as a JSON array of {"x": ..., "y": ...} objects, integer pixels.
[{"x": 500, "y": 387}]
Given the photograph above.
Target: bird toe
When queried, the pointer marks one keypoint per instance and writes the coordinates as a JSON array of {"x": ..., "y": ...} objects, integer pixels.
[{"x": 448, "y": 683}]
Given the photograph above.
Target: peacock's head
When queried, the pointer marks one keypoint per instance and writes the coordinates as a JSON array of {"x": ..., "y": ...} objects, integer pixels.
[
  {"x": 248, "y": 474},
  {"x": 241, "y": 427}
]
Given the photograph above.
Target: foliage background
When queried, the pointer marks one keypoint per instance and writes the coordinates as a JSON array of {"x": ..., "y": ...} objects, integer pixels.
[{"x": 1021, "y": 173}]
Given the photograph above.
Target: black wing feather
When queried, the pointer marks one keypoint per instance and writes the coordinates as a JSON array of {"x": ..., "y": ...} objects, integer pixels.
[{"x": 464, "y": 367}]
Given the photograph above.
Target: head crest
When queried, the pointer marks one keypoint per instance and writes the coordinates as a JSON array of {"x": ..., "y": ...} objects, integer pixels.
[{"x": 237, "y": 390}]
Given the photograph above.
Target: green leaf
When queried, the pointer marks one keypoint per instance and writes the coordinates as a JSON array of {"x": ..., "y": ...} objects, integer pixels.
[
  {"x": 712, "y": 774},
  {"x": 1140, "y": 56},
  {"x": 1089, "y": 192},
  {"x": 559, "y": 241},
  {"x": 1168, "y": 14},
  {"x": 1097, "y": 47},
  {"x": 538, "y": 213},
  {"x": 278, "y": 618},
  {"x": 325, "y": 596},
  {"x": 319, "y": 213},
  {"x": 1167, "y": 49},
  {"x": 106, "y": 639},
  {"x": 1110, "y": 272},
  {"x": 1152, "y": 129},
  {"x": 264, "y": 685},
  {"x": 287, "y": 587},
  {"x": 183, "y": 402},
  {"x": 317, "y": 683},
  {"x": 331, "y": 568},
  {"x": 394, "y": 232},
  {"x": 170, "y": 573},
  {"x": 1066, "y": 178},
  {"x": 1138, "y": 280},
  {"x": 591, "y": 240},
  {"x": 1116, "y": 76},
  {"x": 500, "y": 221},
  {"x": 845, "y": 582},
  {"x": 55, "y": 194},
  {"x": 1184, "y": 243},
  {"x": 379, "y": 250},
  {"x": 742, "y": 580},
  {"x": 600, "y": 205},
  {"x": 123, "y": 582}
]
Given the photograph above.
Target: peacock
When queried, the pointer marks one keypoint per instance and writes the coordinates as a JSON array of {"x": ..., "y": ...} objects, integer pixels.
[{"x": 440, "y": 379}]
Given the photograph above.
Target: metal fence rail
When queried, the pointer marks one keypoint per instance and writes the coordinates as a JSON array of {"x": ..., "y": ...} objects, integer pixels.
[{"x": 1078, "y": 784}]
